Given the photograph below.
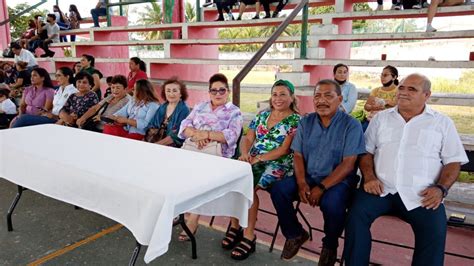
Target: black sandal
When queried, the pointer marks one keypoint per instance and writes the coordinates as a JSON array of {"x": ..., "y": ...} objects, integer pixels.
[
  {"x": 232, "y": 237},
  {"x": 244, "y": 250}
]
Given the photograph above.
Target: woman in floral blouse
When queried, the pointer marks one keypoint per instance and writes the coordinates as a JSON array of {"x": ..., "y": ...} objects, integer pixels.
[
  {"x": 267, "y": 148},
  {"x": 78, "y": 103}
]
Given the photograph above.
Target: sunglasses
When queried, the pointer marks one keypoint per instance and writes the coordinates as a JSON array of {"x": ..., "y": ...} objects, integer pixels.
[{"x": 221, "y": 91}]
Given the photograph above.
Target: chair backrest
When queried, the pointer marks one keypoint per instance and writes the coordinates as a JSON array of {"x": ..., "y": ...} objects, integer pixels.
[{"x": 237, "y": 149}]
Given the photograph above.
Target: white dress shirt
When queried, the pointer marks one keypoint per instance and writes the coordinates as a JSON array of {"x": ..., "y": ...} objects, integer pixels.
[
  {"x": 8, "y": 107},
  {"x": 60, "y": 97},
  {"x": 408, "y": 156},
  {"x": 26, "y": 56}
]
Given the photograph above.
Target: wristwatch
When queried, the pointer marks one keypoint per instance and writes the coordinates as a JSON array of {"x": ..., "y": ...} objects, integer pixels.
[
  {"x": 443, "y": 189},
  {"x": 322, "y": 187}
]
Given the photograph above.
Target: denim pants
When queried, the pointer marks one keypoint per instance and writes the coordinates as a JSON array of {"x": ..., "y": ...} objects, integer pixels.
[
  {"x": 31, "y": 120},
  {"x": 333, "y": 205},
  {"x": 96, "y": 13},
  {"x": 429, "y": 227}
]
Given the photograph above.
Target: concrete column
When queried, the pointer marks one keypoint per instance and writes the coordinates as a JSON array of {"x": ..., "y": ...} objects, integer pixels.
[{"x": 5, "y": 37}]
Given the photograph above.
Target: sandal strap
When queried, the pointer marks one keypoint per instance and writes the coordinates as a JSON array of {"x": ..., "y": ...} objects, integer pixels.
[
  {"x": 241, "y": 249},
  {"x": 249, "y": 242}
]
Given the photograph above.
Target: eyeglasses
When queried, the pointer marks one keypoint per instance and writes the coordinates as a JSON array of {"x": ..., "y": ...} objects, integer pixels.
[{"x": 221, "y": 91}]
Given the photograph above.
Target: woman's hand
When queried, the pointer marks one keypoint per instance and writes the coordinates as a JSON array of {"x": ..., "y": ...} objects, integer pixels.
[
  {"x": 80, "y": 122},
  {"x": 47, "y": 114},
  {"x": 245, "y": 158},
  {"x": 120, "y": 119},
  {"x": 202, "y": 143},
  {"x": 200, "y": 135},
  {"x": 96, "y": 118}
]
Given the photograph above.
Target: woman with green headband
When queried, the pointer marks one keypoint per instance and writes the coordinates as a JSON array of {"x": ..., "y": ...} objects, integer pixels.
[{"x": 267, "y": 148}]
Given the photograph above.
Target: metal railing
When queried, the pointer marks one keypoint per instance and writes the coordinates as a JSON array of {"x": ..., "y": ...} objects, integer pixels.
[{"x": 259, "y": 54}]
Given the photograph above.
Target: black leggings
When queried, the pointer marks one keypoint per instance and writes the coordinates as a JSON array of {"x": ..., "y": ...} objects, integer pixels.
[
  {"x": 280, "y": 6},
  {"x": 394, "y": 2}
]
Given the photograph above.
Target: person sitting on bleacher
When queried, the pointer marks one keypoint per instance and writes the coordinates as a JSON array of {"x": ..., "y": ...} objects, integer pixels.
[
  {"x": 7, "y": 108},
  {"x": 245, "y": 3},
  {"x": 87, "y": 64},
  {"x": 78, "y": 103},
  {"x": 226, "y": 6},
  {"x": 137, "y": 72},
  {"x": 165, "y": 125},
  {"x": 23, "y": 55},
  {"x": 267, "y": 148},
  {"x": 117, "y": 99},
  {"x": 52, "y": 30},
  {"x": 383, "y": 97},
  {"x": 396, "y": 5},
  {"x": 326, "y": 147},
  {"x": 216, "y": 122},
  {"x": 349, "y": 91},
  {"x": 38, "y": 97},
  {"x": 99, "y": 10},
  {"x": 23, "y": 77},
  {"x": 28, "y": 34},
  {"x": 434, "y": 7},
  {"x": 413, "y": 157},
  {"x": 34, "y": 42},
  {"x": 278, "y": 8},
  {"x": 134, "y": 118},
  {"x": 66, "y": 89}
]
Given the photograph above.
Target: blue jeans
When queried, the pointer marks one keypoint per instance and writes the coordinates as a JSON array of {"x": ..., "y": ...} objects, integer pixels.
[
  {"x": 31, "y": 120},
  {"x": 333, "y": 204},
  {"x": 96, "y": 13},
  {"x": 429, "y": 227}
]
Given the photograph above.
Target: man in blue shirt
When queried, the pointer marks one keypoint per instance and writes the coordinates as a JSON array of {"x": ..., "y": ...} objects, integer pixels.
[{"x": 326, "y": 147}]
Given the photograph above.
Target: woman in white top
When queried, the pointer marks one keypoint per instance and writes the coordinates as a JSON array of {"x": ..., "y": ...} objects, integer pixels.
[
  {"x": 65, "y": 79},
  {"x": 7, "y": 108}
]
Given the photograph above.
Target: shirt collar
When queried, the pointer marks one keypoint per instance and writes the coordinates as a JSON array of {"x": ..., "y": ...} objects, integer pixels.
[
  {"x": 427, "y": 110},
  {"x": 333, "y": 118}
]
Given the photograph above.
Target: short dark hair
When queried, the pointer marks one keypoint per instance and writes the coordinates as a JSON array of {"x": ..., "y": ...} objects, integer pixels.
[
  {"x": 338, "y": 66},
  {"x": 53, "y": 16},
  {"x": 119, "y": 79},
  {"x": 139, "y": 62},
  {"x": 66, "y": 71},
  {"x": 47, "y": 83},
  {"x": 109, "y": 79},
  {"x": 15, "y": 45},
  {"x": 83, "y": 74},
  {"x": 336, "y": 85},
  {"x": 218, "y": 77},
  {"x": 89, "y": 58},
  {"x": 182, "y": 88},
  {"x": 5, "y": 92}
]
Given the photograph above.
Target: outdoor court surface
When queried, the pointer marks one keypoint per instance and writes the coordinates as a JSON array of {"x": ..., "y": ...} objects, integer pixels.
[{"x": 50, "y": 232}]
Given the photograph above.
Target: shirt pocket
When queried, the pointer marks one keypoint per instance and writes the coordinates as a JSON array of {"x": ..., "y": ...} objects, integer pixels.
[{"x": 429, "y": 141}]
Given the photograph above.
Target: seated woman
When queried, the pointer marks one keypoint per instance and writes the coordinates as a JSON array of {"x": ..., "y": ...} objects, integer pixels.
[
  {"x": 217, "y": 120},
  {"x": 267, "y": 148},
  {"x": 108, "y": 106},
  {"x": 137, "y": 72},
  {"x": 165, "y": 125},
  {"x": 66, "y": 88},
  {"x": 349, "y": 91},
  {"x": 134, "y": 118},
  {"x": 7, "y": 108},
  {"x": 78, "y": 103},
  {"x": 87, "y": 64},
  {"x": 37, "y": 98}
]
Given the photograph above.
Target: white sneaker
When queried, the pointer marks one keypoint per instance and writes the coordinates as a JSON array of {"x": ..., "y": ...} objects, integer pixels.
[
  {"x": 426, "y": 5},
  {"x": 379, "y": 8},
  {"x": 417, "y": 6},
  {"x": 396, "y": 7},
  {"x": 430, "y": 28}
]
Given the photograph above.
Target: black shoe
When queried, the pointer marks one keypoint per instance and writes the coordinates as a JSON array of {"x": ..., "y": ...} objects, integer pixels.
[
  {"x": 267, "y": 16},
  {"x": 207, "y": 4},
  {"x": 275, "y": 14},
  {"x": 292, "y": 246},
  {"x": 328, "y": 257},
  {"x": 220, "y": 18},
  {"x": 256, "y": 17},
  {"x": 44, "y": 55},
  {"x": 239, "y": 18}
]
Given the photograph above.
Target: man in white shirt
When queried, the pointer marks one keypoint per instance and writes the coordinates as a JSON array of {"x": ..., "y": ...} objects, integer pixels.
[
  {"x": 52, "y": 30},
  {"x": 23, "y": 55},
  {"x": 414, "y": 155}
]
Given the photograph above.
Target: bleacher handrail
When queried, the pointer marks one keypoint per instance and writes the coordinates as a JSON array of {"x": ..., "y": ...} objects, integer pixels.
[{"x": 259, "y": 54}]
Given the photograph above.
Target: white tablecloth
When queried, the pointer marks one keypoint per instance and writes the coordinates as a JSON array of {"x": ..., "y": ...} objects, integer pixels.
[{"x": 140, "y": 185}]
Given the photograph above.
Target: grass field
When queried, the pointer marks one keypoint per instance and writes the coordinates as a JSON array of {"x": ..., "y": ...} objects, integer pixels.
[{"x": 463, "y": 116}]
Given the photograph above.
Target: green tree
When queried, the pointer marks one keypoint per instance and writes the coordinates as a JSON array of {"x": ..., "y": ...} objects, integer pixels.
[
  {"x": 190, "y": 12},
  {"x": 20, "y": 24},
  {"x": 151, "y": 16}
]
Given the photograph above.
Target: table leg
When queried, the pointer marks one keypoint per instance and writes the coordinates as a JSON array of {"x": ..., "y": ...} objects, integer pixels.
[
  {"x": 135, "y": 253},
  {"x": 190, "y": 235},
  {"x": 12, "y": 208}
]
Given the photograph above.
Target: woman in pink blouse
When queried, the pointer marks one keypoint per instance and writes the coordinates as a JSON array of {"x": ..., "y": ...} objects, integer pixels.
[
  {"x": 214, "y": 120},
  {"x": 38, "y": 97}
]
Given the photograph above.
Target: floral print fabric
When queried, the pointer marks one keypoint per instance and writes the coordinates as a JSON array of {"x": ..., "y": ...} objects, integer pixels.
[{"x": 266, "y": 140}]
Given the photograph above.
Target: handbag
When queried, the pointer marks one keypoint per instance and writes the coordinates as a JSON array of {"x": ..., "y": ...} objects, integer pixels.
[
  {"x": 90, "y": 123},
  {"x": 212, "y": 148}
]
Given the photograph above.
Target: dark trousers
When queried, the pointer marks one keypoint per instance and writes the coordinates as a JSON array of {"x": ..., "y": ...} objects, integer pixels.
[
  {"x": 96, "y": 13},
  {"x": 394, "y": 2},
  {"x": 45, "y": 46},
  {"x": 223, "y": 6},
  {"x": 429, "y": 227},
  {"x": 31, "y": 120},
  {"x": 280, "y": 6},
  {"x": 333, "y": 205}
]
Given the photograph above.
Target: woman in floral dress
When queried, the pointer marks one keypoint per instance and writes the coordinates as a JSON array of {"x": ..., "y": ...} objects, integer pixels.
[{"x": 267, "y": 148}]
